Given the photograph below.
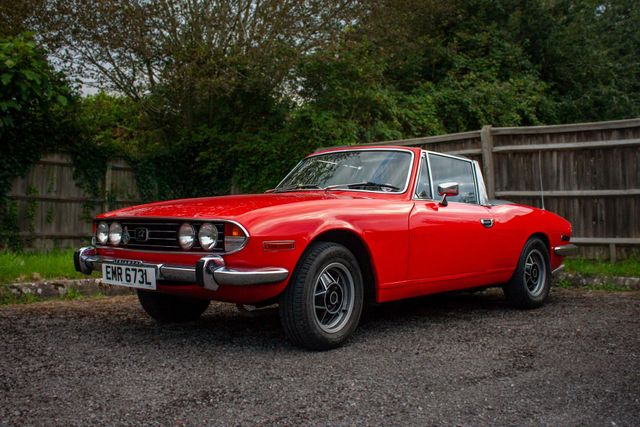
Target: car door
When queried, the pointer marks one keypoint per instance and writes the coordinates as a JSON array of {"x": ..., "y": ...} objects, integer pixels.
[{"x": 449, "y": 244}]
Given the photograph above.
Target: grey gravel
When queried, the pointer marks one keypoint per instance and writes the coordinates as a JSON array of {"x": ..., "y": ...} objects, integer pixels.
[{"x": 462, "y": 359}]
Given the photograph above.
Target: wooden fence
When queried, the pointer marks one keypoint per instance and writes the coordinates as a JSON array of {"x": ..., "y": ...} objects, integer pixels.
[
  {"x": 589, "y": 173},
  {"x": 55, "y": 212}
]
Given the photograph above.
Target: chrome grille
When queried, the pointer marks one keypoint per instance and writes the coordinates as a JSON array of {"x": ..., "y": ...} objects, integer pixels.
[{"x": 162, "y": 235}]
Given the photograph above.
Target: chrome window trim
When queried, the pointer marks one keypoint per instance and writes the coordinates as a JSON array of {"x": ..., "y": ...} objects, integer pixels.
[
  {"x": 177, "y": 219},
  {"x": 482, "y": 189},
  {"x": 463, "y": 159},
  {"x": 433, "y": 194},
  {"x": 404, "y": 189},
  {"x": 423, "y": 158}
]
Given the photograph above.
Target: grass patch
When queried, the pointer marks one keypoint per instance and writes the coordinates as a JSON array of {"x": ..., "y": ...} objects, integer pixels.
[
  {"x": 25, "y": 267},
  {"x": 606, "y": 287},
  {"x": 72, "y": 294},
  {"x": 8, "y": 297},
  {"x": 629, "y": 267}
]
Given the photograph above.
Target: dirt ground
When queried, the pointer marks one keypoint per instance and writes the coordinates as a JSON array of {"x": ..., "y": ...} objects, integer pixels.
[{"x": 448, "y": 360}]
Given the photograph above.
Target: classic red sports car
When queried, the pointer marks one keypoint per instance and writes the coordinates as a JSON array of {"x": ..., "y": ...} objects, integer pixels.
[{"x": 346, "y": 227}]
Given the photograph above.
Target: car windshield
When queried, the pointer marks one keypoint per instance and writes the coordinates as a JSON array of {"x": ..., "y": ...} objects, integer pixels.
[{"x": 372, "y": 170}]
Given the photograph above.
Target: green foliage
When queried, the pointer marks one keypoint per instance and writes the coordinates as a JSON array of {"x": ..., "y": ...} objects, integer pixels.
[
  {"x": 33, "y": 104},
  {"x": 199, "y": 117},
  {"x": 72, "y": 294},
  {"x": 7, "y": 296},
  {"x": 9, "y": 236}
]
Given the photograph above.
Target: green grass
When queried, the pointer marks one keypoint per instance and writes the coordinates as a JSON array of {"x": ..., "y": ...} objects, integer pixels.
[
  {"x": 25, "y": 267},
  {"x": 629, "y": 267},
  {"x": 72, "y": 294},
  {"x": 8, "y": 297},
  {"x": 607, "y": 286}
]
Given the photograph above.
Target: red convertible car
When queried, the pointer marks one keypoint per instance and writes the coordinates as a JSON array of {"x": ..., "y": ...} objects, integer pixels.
[{"x": 346, "y": 227}]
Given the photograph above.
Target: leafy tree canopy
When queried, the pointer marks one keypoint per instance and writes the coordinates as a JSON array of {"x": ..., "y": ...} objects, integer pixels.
[{"x": 209, "y": 95}]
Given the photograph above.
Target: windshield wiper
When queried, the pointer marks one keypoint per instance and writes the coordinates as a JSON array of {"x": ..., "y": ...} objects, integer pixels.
[
  {"x": 298, "y": 187},
  {"x": 362, "y": 184}
]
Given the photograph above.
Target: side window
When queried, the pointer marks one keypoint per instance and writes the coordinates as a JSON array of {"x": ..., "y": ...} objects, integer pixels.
[
  {"x": 448, "y": 169},
  {"x": 423, "y": 188}
]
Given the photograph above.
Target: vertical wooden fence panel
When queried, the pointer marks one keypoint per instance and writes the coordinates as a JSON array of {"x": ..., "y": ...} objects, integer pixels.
[
  {"x": 54, "y": 212},
  {"x": 589, "y": 173}
]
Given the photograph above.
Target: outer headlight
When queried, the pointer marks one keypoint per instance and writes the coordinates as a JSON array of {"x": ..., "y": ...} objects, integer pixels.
[
  {"x": 208, "y": 236},
  {"x": 115, "y": 234},
  {"x": 102, "y": 233},
  {"x": 186, "y": 236}
]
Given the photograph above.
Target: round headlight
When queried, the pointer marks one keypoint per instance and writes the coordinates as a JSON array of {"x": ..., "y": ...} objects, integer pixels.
[
  {"x": 115, "y": 234},
  {"x": 102, "y": 233},
  {"x": 208, "y": 236},
  {"x": 186, "y": 236}
]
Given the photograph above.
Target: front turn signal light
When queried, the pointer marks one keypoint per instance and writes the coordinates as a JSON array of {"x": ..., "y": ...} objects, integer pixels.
[{"x": 234, "y": 237}]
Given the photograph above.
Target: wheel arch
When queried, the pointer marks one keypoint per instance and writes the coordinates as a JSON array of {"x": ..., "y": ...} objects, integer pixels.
[
  {"x": 542, "y": 236},
  {"x": 353, "y": 242}
]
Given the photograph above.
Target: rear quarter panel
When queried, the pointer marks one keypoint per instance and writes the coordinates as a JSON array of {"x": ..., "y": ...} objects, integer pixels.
[{"x": 515, "y": 224}]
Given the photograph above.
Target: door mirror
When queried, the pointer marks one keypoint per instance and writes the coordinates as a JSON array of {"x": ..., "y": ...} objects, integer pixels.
[{"x": 448, "y": 189}]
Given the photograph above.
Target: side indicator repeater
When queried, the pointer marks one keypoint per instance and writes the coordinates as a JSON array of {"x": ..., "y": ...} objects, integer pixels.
[{"x": 278, "y": 245}]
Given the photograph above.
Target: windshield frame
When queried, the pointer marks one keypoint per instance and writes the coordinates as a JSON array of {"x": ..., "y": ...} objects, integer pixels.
[{"x": 322, "y": 153}]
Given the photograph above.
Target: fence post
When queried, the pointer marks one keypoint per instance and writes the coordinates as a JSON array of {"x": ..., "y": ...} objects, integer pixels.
[
  {"x": 613, "y": 256},
  {"x": 486, "y": 140}
]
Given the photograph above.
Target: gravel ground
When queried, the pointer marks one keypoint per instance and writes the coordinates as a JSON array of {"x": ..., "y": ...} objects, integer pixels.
[{"x": 447, "y": 360}]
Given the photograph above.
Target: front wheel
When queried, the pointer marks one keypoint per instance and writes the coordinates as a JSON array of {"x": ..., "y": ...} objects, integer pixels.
[
  {"x": 529, "y": 287},
  {"x": 321, "y": 307},
  {"x": 171, "y": 308}
]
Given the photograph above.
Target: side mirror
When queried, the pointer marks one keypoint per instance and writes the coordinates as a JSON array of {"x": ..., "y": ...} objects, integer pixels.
[{"x": 448, "y": 189}]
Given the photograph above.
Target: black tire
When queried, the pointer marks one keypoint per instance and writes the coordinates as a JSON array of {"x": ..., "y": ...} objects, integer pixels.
[
  {"x": 531, "y": 282},
  {"x": 322, "y": 305},
  {"x": 171, "y": 308}
]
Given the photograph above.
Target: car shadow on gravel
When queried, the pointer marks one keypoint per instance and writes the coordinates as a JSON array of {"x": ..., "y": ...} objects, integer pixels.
[{"x": 223, "y": 325}]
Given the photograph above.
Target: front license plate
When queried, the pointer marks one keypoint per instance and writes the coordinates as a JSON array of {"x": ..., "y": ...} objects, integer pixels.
[{"x": 129, "y": 275}]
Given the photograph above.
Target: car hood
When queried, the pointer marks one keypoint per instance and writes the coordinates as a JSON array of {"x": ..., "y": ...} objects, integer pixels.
[{"x": 221, "y": 207}]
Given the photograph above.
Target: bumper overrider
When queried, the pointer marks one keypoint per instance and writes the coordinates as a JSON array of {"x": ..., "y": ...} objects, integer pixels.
[{"x": 210, "y": 271}]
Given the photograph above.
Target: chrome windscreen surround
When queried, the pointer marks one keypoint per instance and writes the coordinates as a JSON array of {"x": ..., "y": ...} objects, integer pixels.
[
  {"x": 155, "y": 234},
  {"x": 331, "y": 151}
]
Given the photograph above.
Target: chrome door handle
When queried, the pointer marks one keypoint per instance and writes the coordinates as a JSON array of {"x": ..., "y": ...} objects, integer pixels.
[{"x": 487, "y": 222}]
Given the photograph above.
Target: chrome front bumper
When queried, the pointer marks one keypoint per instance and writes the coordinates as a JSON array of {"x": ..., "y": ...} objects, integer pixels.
[{"x": 210, "y": 271}]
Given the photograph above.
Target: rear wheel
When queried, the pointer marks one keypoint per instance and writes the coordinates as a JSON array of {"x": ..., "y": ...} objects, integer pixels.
[
  {"x": 171, "y": 308},
  {"x": 529, "y": 287},
  {"x": 321, "y": 307}
]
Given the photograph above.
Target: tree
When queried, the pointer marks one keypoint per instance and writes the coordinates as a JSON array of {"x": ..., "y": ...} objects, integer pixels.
[
  {"x": 232, "y": 93},
  {"x": 33, "y": 103},
  {"x": 190, "y": 52}
]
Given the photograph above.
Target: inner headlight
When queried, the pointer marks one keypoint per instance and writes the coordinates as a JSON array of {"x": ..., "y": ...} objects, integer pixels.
[
  {"x": 102, "y": 233},
  {"x": 186, "y": 236},
  {"x": 208, "y": 236},
  {"x": 115, "y": 234}
]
